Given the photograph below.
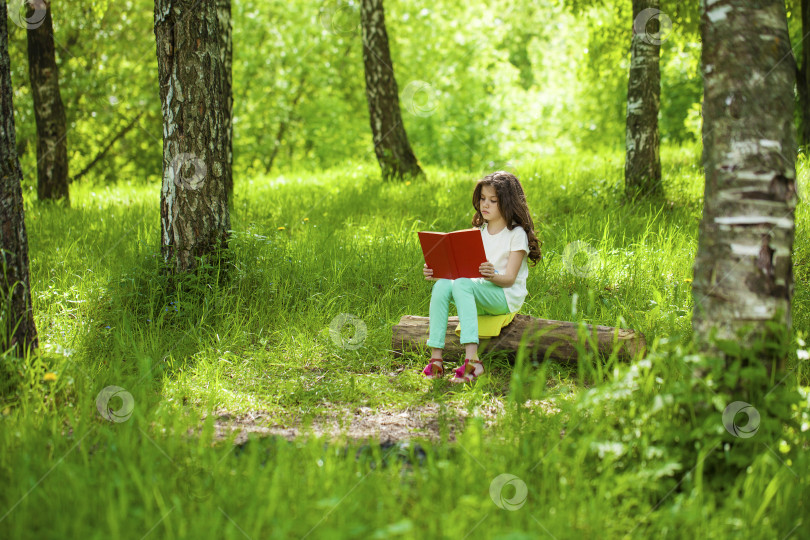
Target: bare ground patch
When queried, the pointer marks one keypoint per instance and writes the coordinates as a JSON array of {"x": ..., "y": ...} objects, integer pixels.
[
  {"x": 359, "y": 424},
  {"x": 364, "y": 424}
]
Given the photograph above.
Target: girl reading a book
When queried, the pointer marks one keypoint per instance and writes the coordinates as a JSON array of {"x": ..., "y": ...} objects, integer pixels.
[{"x": 507, "y": 230}]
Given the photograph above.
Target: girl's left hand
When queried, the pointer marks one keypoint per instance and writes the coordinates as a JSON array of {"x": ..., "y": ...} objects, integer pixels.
[{"x": 487, "y": 269}]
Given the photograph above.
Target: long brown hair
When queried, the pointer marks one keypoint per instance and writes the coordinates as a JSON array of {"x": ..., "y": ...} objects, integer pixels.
[{"x": 513, "y": 207}]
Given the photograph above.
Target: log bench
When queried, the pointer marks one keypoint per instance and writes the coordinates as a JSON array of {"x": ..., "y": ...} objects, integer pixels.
[{"x": 557, "y": 338}]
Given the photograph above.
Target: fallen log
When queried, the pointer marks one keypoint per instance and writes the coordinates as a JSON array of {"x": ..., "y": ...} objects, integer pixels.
[{"x": 545, "y": 338}]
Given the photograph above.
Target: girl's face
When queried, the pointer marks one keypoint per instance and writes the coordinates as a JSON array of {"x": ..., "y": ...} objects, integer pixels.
[{"x": 488, "y": 204}]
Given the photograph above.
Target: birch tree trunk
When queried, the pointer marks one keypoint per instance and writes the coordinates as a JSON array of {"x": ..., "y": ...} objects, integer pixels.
[
  {"x": 803, "y": 79},
  {"x": 642, "y": 169},
  {"x": 16, "y": 314},
  {"x": 52, "y": 161},
  {"x": 194, "y": 211},
  {"x": 391, "y": 144},
  {"x": 743, "y": 271},
  {"x": 226, "y": 55}
]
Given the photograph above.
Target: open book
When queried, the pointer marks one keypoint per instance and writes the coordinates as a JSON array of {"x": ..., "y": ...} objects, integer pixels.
[{"x": 453, "y": 255}]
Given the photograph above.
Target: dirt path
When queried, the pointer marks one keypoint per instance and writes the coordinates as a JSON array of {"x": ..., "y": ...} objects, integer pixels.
[
  {"x": 362, "y": 424},
  {"x": 359, "y": 424}
]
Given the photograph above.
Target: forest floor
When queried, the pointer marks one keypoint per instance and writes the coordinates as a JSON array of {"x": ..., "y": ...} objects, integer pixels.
[
  {"x": 435, "y": 422},
  {"x": 361, "y": 424}
]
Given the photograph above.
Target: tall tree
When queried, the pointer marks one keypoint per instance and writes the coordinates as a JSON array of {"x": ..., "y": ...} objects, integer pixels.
[
  {"x": 391, "y": 145},
  {"x": 226, "y": 55},
  {"x": 642, "y": 169},
  {"x": 16, "y": 314},
  {"x": 52, "y": 161},
  {"x": 194, "y": 213},
  {"x": 803, "y": 77},
  {"x": 743, "y": 271}
]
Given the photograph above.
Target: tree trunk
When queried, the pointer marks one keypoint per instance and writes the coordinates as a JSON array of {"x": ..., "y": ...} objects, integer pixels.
[
  {"x": 16, "y": 313},
  {"x": 555, "y": 337},
  {"x": 743, "y": 270},
  {"x": 226, "y": 55},
  {"x": 391, "y": 144},
  {"x": 52, "y": 161},
  {"x": 642, "y": 169},
  {"x": 194, "y": 201},
  {"x": 803, "y": 81}
]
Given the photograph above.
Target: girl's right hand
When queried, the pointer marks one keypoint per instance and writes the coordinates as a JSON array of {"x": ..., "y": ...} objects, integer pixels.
[{"x": 428, "y": 272}]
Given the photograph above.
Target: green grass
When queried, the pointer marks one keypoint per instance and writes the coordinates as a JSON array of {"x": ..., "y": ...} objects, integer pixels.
[{"x": 606, "y": 455}]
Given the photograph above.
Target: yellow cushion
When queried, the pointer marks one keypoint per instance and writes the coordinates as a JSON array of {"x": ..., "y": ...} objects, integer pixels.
[{"x": 490, "y": 325}]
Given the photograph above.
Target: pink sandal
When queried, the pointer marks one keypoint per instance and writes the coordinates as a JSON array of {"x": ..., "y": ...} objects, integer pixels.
[
  {"x": 434, "y": 369},
  {"x": 467, "y": 371}
]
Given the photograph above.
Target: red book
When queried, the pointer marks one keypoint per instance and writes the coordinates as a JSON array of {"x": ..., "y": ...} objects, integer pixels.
[{"x": 453, "y": 255}]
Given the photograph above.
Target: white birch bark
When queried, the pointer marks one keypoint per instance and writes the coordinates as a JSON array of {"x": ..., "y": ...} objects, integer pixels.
[
  {"x": 394, "y": 153},
  {"x": 642, "y": 170},
  {"x": 743, "y": 272},
  {"x": 194, "y": 211}
]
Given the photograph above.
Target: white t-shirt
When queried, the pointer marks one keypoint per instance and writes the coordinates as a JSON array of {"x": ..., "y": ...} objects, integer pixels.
[{"x": 498, "y": 247}]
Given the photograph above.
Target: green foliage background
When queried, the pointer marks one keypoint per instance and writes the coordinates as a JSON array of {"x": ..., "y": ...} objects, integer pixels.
[{"x": 481, "y": 84}]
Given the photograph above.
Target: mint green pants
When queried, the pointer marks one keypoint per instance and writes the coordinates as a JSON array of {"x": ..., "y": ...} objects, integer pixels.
[{"x": 472, "y": 298}]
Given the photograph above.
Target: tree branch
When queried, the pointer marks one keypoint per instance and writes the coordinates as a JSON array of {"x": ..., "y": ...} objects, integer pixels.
[{"x": 106, "y": 149}]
